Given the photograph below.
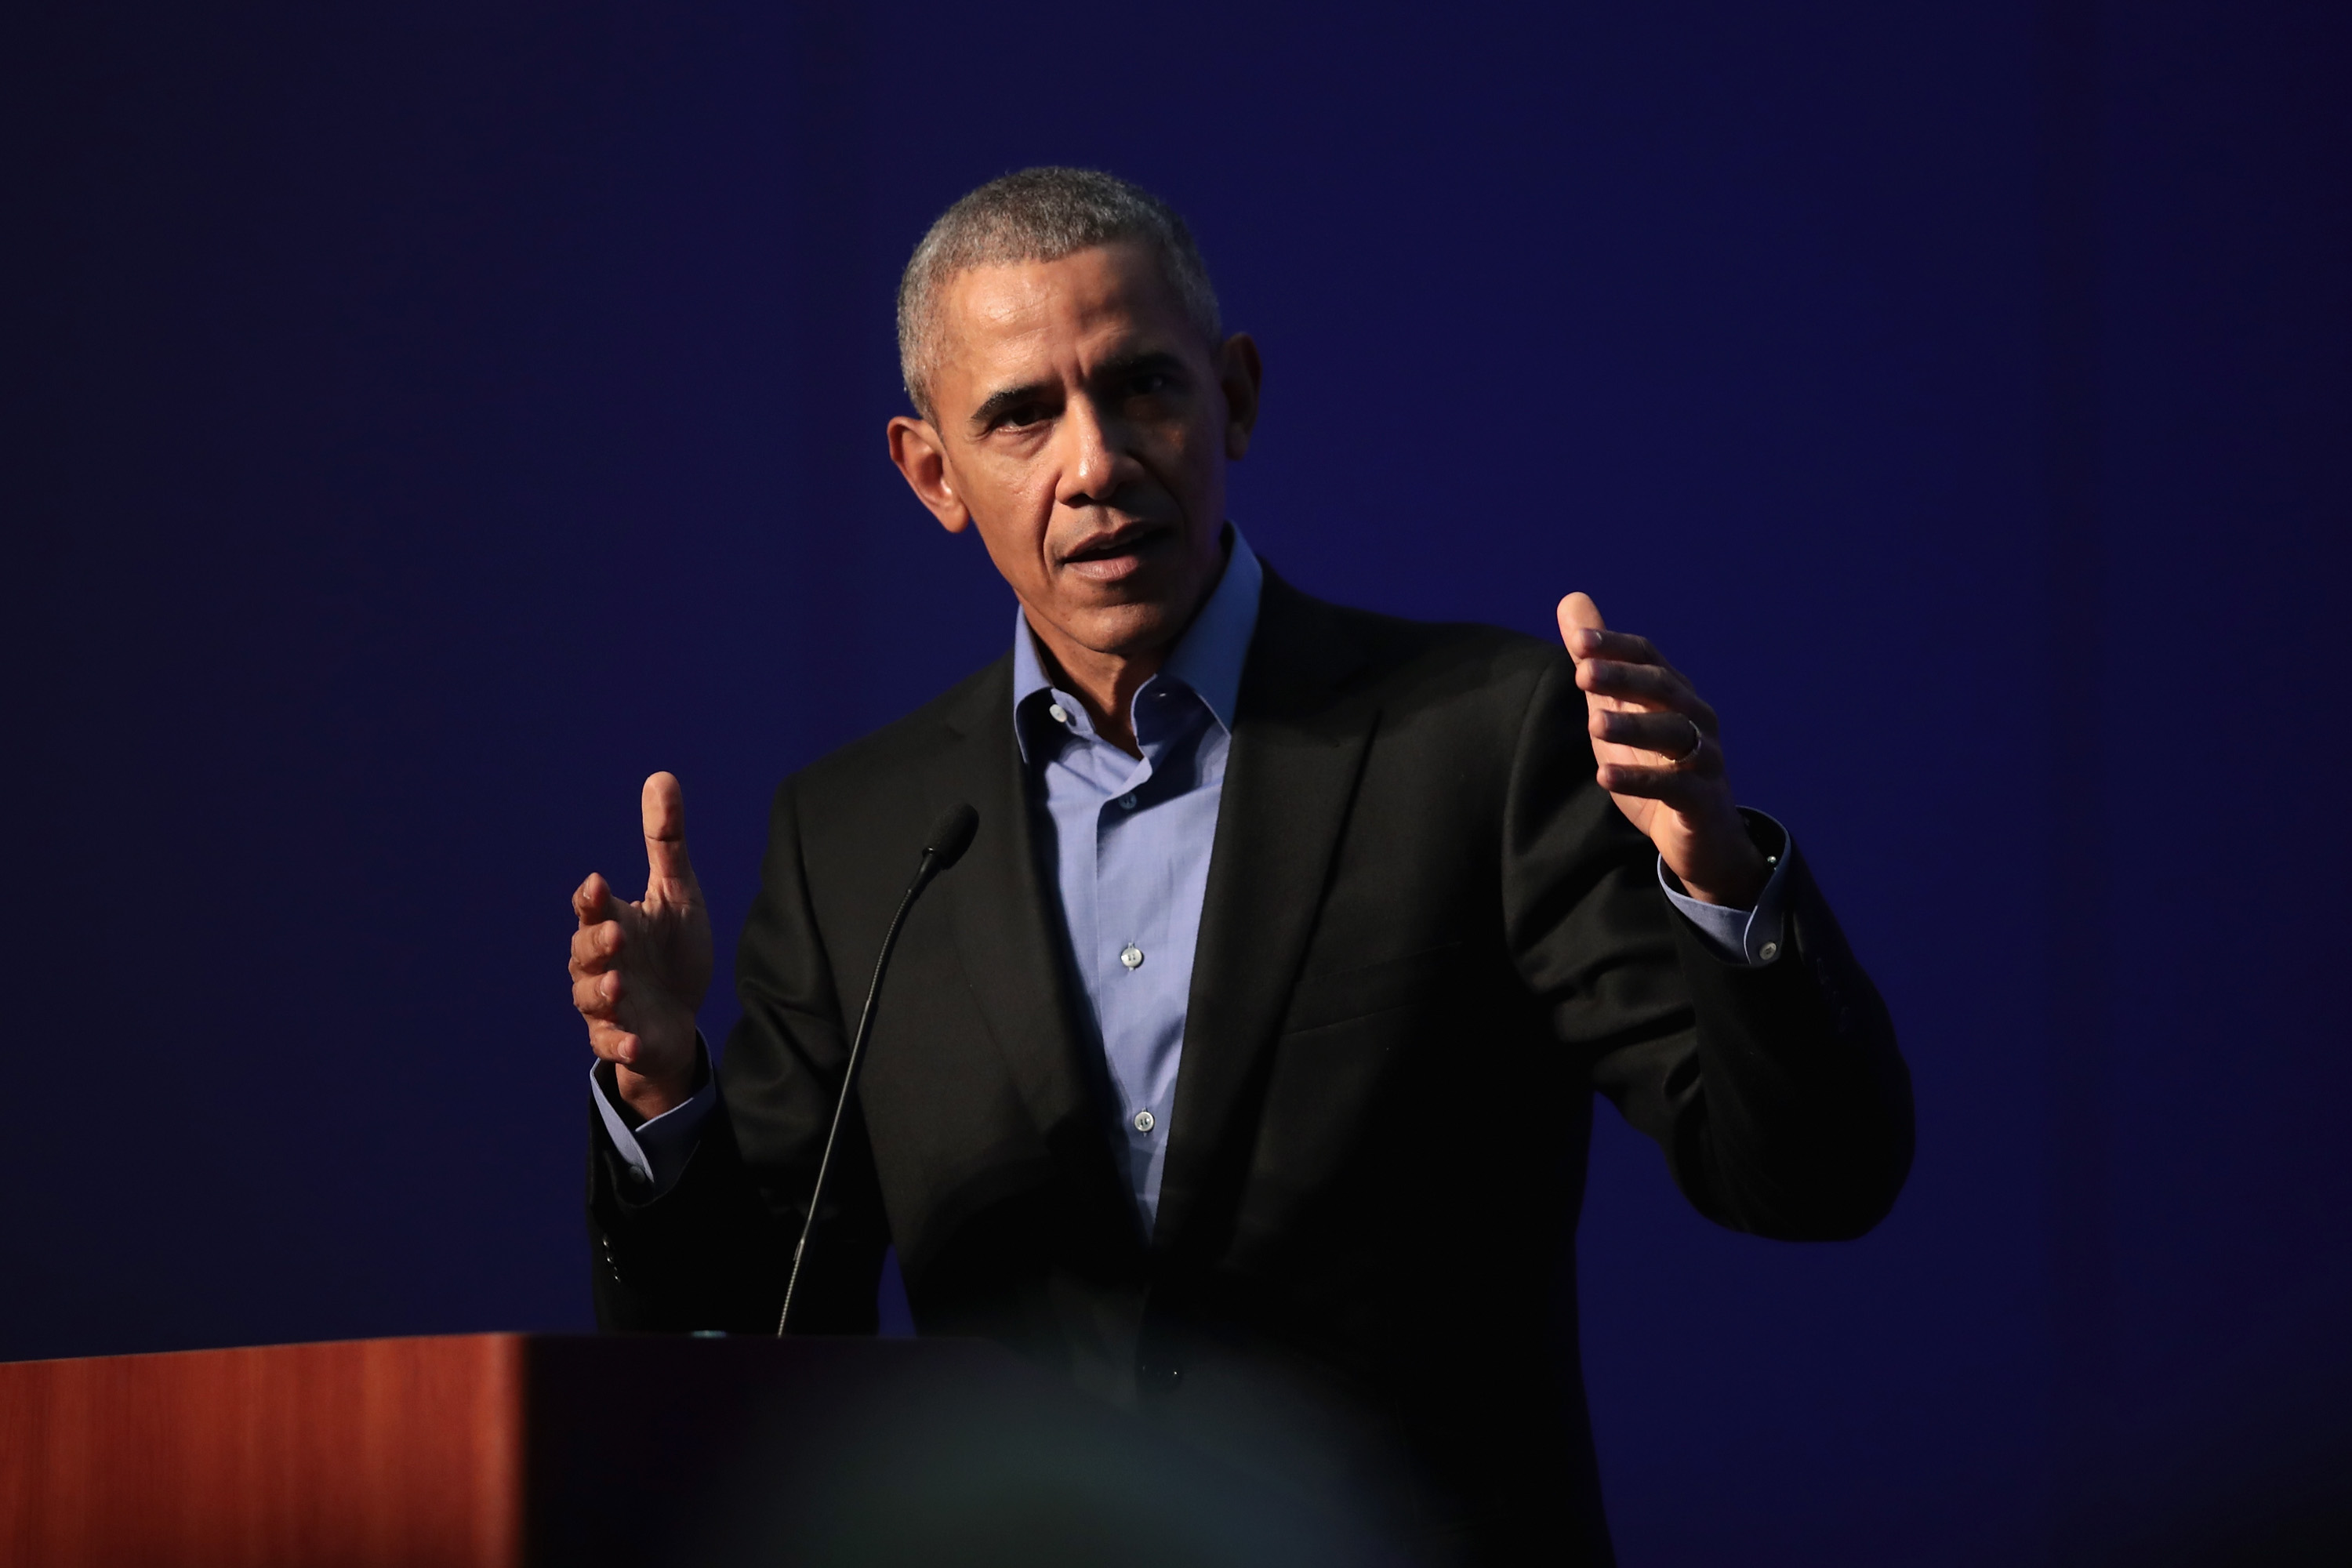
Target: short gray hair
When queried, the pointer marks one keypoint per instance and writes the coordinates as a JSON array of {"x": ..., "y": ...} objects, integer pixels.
[{"x": 1041, "y": 215}]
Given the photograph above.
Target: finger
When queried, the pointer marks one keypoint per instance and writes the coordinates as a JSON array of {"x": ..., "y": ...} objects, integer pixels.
[
  {"x": 1592, "y": 642},
  {"x": 1681, "y": 788},
  {"x": 1579, "y": 618},
  {"x": 597, "y": 995},
  {"x": 592, "y": 900},
  {"x": 664, "y": 805},
  {"x": 612, "y": 1042},
  {"x": 1671, "y": 735},
  {"x": 615, "y": 1040},
  {"x": 618, "y": 1001},
  {"x": 594, "y": 948},
  {"x": 1656, "y": 685}
]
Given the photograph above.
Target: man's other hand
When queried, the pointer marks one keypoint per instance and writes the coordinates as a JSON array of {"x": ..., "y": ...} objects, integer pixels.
[
  {"x": 1659, "y": 757},
  {"x": 639, "y": 969}
]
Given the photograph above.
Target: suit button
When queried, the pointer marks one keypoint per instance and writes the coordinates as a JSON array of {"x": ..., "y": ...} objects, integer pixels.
[{"x": 1769, "y": 951}]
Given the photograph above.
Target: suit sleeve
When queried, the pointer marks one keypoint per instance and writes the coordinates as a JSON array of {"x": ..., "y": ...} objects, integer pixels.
[
  {"x": 713, "y": 1251},
  {"x": 1776, "y": 1091}
]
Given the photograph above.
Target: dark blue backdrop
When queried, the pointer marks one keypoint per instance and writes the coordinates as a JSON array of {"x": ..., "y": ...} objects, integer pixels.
[{"x": 423, "y": 421}]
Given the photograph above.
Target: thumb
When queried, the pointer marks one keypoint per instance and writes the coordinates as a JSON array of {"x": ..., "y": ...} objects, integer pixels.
[
  {"x": 1578, "y": 613},
  {"x": 664, "y": 813}
]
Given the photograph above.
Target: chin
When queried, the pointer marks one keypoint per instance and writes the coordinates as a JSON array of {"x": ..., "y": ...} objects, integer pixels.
[{"x": 1122, "y": 631}]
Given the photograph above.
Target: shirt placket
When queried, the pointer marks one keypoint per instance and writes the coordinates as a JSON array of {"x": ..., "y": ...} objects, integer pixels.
[
  {"x": 1137, "y": 863},
  {"x": 1126, "y": 921},
  {"x": 1123, "y": 941}
]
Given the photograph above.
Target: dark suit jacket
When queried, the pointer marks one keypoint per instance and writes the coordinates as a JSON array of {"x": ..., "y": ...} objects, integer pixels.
[{"x": 1428, "y": 936}]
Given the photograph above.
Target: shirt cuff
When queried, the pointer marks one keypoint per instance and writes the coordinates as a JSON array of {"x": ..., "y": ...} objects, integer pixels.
[
  {"x": 1751, "y": 937},
  {"x": 657, "y": 1150}
]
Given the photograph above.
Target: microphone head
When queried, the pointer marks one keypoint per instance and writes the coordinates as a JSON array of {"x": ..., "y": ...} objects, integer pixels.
[{"x": 950, "y": 836}]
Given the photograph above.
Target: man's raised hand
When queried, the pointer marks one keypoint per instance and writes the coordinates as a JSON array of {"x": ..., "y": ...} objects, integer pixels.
[
  {"x": 1659, "y": 758},
  {"x": 639, "y": 969}
]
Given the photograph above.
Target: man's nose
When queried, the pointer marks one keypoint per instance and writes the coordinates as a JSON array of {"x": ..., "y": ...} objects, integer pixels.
[{"x": 1093, "y": 466}]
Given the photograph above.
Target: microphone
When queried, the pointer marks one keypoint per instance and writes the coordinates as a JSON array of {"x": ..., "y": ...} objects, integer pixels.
[{"x": 950, "y": 836}]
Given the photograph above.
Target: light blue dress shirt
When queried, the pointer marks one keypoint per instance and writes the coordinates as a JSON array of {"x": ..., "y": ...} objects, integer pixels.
[
  {"x": 1130, "y": 847},
  {"x": 1129, "y": 840}
]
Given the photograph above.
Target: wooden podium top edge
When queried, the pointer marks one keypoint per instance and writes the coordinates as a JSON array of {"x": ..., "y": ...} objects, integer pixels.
[{"x": 485, "y": 1338}]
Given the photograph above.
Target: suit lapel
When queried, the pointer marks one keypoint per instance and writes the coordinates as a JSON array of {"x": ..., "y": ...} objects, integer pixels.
[
  {"x": 1298, "y": 746},
  {"x": 1008, "y": 937}
]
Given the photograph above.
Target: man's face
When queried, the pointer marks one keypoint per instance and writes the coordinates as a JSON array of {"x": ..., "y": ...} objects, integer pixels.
[{"x": 1082, "y": 424}]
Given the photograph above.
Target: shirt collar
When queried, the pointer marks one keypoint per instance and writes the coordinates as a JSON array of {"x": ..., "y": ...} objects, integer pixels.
[{"x": 1207, "y": 658}]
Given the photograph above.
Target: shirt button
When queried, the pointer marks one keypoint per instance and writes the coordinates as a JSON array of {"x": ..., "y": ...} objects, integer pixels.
[
  {"x": 1127, "y": 800},
  {"x": 1769, "y": 951},
  {"x": 1058, "y": 714},
  {"x": 1143, "y": 1122},
  {"x": 1130, "y": 955}
]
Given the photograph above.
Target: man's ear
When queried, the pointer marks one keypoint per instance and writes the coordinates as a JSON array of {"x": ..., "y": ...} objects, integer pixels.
[
  {"x": 1240, "y": 374},
  {"x": 923, "y": 457}
]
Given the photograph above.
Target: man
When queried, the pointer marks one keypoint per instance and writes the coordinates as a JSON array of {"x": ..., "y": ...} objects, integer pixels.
[{"x": 1242, "y": 1072}]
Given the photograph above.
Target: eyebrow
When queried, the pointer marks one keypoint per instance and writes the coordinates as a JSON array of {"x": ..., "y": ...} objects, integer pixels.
[
  {"x": 1150, "y": 359},
  {"x": 996, "y": 402}
]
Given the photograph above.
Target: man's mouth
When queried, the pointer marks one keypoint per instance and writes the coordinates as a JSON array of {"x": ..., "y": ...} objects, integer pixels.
[{"x": 1114, "y": 555}]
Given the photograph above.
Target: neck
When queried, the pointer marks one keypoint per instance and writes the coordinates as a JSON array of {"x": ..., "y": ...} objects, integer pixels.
[{"x": 1106, "y": 682}]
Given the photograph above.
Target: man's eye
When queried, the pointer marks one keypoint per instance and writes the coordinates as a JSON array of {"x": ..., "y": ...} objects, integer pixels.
[
  {"x": 1151, "y": 382},
  {"x": 1019, "y": 416}
]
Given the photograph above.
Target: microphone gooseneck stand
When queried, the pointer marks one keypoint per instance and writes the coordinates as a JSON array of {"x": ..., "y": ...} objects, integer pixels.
[{"x": 950, "y": 836}]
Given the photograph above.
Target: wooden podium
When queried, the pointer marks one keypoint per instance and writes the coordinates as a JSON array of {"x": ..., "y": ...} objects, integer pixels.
[{"x": 494, "y": 1450}]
